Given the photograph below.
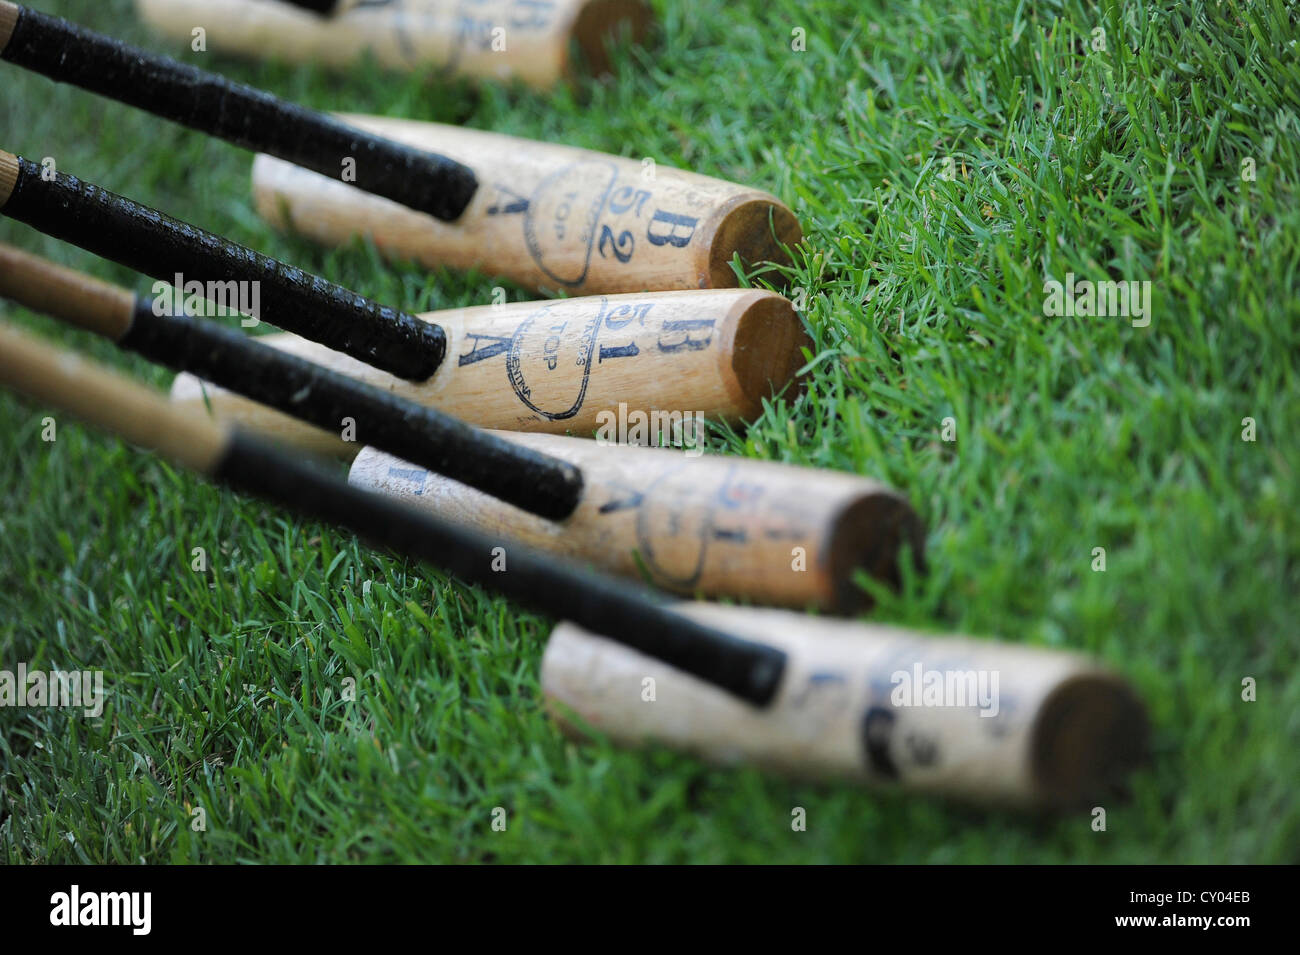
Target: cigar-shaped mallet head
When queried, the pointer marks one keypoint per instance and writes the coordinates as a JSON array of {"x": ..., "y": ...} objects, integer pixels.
[
  {"x": 547, "y": 216},
  {"x": 972, "y": 719},
  {"x": 595, "y": 25},
  {"x": 708, "y": 524},
  {"x": 559, "y": 366},
  {"x": 506, "y": 40}
]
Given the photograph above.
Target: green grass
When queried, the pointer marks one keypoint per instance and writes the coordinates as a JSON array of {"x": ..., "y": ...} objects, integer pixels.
[{"x": 925, "y": 300}]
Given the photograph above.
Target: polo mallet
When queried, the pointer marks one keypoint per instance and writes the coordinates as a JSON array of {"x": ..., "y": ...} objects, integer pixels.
[
  {"x": 972, "y": 719},
  {"x": 544, "y": 365},
  {"x": 542, "y": 581},
  {"x": 714, "y": 525}
]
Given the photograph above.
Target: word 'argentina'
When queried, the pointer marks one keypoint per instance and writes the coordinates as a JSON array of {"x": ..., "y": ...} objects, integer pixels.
[
  {"x": 1103, "y": 299},
  {"x": 208, "y": 299},
  {"x": 652, "y": 429},
  {"x": 103, "y": 908},
  {"x": 78, "y": 689},
  {"x": 924, "y": 687}
]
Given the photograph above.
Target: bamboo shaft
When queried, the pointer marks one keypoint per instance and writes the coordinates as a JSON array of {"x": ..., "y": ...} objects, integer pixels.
[
  {"x": 109, "y": 401},
  {"x": 66, "y": 294}
]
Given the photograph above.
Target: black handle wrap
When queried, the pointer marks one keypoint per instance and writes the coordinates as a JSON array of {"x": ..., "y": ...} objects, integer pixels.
[
  {"x": 324, "y": 7},
  {"x": 148, "y": 241},
  {"x": 621, "y": 611},
  {"x": 239, "y": 114},
  {"x": 521, "y": 476}
]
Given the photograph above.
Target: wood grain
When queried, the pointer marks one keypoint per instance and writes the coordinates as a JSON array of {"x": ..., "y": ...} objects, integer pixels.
[
  {"x": 547, "y": 216},
  {"x": 554, "y": 366},
  {"x": 8, "y": 176},
  {"x": 1064, "y": 731},
  {"x": 448, "y": 38},
  {"x": 707, "y": 524}
]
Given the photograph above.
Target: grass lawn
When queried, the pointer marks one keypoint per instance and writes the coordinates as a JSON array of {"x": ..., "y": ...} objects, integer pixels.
[{"x": 945, "y": 159}]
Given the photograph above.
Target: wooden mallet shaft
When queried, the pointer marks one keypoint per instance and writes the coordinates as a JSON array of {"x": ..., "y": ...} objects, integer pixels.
[
  {"x": 528, "y": 479},
  {"x": 747, "y": 670},
  {"x": 247, "y": 117},
  {"x": 151, "y": 242}
]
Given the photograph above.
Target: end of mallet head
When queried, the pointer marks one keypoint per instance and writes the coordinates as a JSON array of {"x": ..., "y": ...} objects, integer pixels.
[
  {"x": 599, "y": 25},
  {"x": 875, "y": 532},
  {"x": 766, "y": 351},
  {"x": 756, "y": 226},
  {"x": 1089, "y": 735}
]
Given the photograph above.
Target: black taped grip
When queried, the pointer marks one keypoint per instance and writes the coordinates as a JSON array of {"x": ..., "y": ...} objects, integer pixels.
[
  {"x": 239, "y": 114},
  {"x": 621, "y": 611},
  {"x": 424, "y": 436},
  {"x": 323, "y": 7},
  {"x": 148, "y": 241}
]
